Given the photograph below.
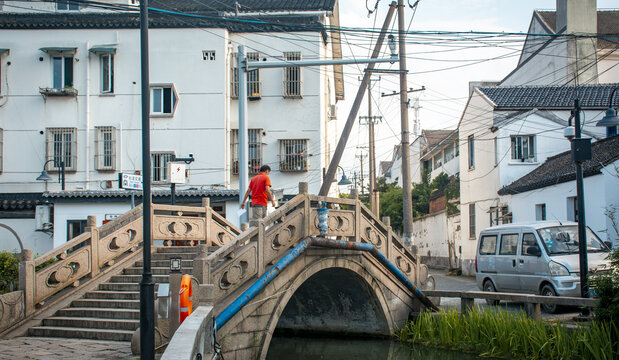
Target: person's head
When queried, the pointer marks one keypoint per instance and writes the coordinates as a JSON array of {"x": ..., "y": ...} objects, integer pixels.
[{"x": 265, "y": 169}]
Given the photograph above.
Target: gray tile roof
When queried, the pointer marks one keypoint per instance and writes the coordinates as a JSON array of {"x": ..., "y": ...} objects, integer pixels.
[
  {"x": 560, "y": 168},
  {"x": 608, "y": 24},
  {"x": 124, "y": 194},
  {"x": 203, "y": 6},
  {"x": 550, "y": 97}
]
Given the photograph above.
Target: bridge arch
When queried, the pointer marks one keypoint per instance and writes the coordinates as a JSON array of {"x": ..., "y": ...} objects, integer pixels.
[{"x": 350, "y": 274}]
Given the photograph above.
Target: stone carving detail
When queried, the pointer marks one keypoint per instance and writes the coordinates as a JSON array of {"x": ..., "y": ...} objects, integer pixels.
[
  {"x": 11, "y": 309},
  {"x": 404, "y": 265},
  {"x": 220, "y": 235},
  {"x": 122, "y": 240},
  {"x": 63, "y": 273},
  {"x": 373, "y": 237},
  {"x": 179, "y": 228},
  {"x": 239, "y": 266},
  {"x": 341, "y": 223},
  {"x": 233, "y": 275},
  {"x": 283, "y": 237}
]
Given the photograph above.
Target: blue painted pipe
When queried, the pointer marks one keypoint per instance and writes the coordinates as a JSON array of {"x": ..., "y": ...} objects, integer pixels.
[{"x": 264, "y": 280}]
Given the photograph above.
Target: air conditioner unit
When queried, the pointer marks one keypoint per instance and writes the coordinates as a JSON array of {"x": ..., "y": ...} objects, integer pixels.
[{"x": 42, "y": 217}]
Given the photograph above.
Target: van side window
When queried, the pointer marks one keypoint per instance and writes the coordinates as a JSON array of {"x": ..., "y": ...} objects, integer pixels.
[
  {"x": 509, "y": 244},
  {"x": 528, "y": 241},
  {"x": 487, "y": 245}
]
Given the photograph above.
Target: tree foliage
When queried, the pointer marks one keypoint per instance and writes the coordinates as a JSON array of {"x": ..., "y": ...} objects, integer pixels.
[{"x": 9, "y": 271}]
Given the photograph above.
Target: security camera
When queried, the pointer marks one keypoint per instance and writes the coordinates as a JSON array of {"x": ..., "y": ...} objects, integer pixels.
[
  {"x": 190, "y": 155},
  {"x": 568, "y": 132}
]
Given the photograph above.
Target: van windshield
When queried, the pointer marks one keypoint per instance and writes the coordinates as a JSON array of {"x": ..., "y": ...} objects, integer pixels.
[{"x": 561, "y": 240}]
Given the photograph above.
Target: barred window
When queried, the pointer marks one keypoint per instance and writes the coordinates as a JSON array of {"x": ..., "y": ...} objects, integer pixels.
[
  {"x": 62, "y": 148},
  {"x": 105, "y": 148},
  {"x": 292, "y": 76},
  {"x": 472, "y": 229},
  {"x": 234, "y": 75},
  {"x": 254, "y": 85},
  {"x": 293, "y": 155},
  {"x": 254, "y": 150},
  {"x": 159, "y": 166}
]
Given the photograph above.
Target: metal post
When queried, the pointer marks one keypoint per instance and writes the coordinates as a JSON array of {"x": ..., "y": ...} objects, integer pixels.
[
  {"x": 580, "y": 196},
  {"x": 339, "y": 150},
  {"x": 147, "y": 286},
  {"x": 172, "y": 185},
  {"x": 407, "y": 213},
  {"x": 372, "y": 153},
  {"x": 62, "y": 178},
  {"x": 243, "y": 170}
]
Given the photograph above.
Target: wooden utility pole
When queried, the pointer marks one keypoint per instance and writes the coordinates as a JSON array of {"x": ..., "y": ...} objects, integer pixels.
[
  {"x": 407, "y": 211},
  {"x": 361, "y": 156},
  {"x": 352, "y": 116}
]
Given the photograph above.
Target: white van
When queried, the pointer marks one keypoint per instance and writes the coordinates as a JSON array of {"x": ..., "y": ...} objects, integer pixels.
[{"x": 535, "y": 258}]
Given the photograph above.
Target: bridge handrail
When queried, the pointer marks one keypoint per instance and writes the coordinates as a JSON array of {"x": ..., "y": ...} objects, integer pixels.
[
  {"x": 193, "y": 337},
  {"x": 515, "y": 297}
]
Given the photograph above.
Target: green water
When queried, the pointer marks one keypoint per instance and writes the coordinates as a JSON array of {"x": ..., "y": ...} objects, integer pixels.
[{"x": 355, "y": 349}]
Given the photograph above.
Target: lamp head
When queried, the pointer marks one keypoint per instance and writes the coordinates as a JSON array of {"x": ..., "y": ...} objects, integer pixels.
[
  {"x": 344, "y": 180},
  {"x": 610, "y": 119},
  {"x": 44, "y": 176}
]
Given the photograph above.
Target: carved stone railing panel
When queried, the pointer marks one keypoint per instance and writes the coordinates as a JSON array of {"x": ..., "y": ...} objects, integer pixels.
[
  {"x": 341, "y": 223},
  {"x": 220, "y": 235},
  {"x": 237, "y": 268},
  {"x": 370, "y": 233},
  {"x": 11, "y": 309},
  {"x": 63, "y": 273},
  {"x": 403, "y": 261},
  {"x": 281, "y": 237},
  {"x": 125, "y": 238},
  {"x": 178, "y": 228}
]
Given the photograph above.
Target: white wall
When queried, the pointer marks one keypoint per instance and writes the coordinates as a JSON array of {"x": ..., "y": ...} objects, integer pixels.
[
  {"x": 434, "y": 234},
  {"x": 39, "y": 242}
]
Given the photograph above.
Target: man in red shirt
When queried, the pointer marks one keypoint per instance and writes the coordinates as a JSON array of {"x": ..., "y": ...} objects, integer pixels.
[{"x": 260, "y": 189}]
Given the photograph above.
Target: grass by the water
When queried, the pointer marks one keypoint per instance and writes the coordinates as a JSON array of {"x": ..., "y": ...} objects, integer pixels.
[{"x": 502, "y": 334}]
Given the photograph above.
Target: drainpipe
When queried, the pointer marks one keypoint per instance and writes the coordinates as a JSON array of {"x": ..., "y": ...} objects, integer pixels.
[{"x": 87, "y": 115}]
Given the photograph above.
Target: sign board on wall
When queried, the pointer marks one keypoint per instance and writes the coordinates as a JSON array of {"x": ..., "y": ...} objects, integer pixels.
[
  {"x": 130, "y": 181},
  {"x": 177, "y": 172}
]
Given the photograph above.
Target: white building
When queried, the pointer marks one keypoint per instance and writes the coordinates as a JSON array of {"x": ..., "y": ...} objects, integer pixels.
[
  {"x": 505, "y": 133},
  {"x": 70, "y": 92},
  {"x": 441, "y": 153},
  {"x": 549, "y": 191}
]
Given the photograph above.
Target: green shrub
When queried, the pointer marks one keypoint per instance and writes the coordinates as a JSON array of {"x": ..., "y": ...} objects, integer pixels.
[
  {"x": 501, "y": 334},
  {"x": 606, "y": 289},
  {"x": 9, "y": 271}
]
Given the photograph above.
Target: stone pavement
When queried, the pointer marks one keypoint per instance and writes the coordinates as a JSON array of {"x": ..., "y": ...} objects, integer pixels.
[{"x": 41, "y": 348}]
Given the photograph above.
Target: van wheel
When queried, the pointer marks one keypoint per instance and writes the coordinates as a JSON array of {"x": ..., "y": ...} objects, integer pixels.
[
  {"x": 548, "y": 290},
  {"x": 489, "y": 287}
]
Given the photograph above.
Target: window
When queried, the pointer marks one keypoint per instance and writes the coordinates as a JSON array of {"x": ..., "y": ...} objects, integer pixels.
[
  {"x": 66, "y": 5},
  {"x": 1, "y": 150},
  {"x": 496, "y": 151},
  {"x": 62, "y": 148},
  {"x": 471, "y": 146},
  {"x": 540, "y": 212},
  {"x": 572, "y": 208},
  {"x": 234, "y": 75},
  {"x": 208, "y": 55},
  {"x": 427, "y": 165},
  {"x": 523, "y": 148},
  {"x": 163, "y": 100},
  {"x": 75, "y": 228},
  {"x": 105, "y": 148},
  {"x": 449, "y": 153},
  {"x": 254, "y": 150},
  {"x": 529, "y": 241},
  {"x": 438, "y": 161},
  {"x": 253, "y": 78},
  {"x": 159, "y": 166},
  {"x": 487, "y": 245},
  {"x": 292, "y": 76},
  {"x": 500, "y": 215},
  {"x": 62, "y": 71},
  {"x": 472, "y": 221},
  {"x": 293, "y": 155},
  {"x": 509, "y": 244},
  {"x": 107, "y": 73}
]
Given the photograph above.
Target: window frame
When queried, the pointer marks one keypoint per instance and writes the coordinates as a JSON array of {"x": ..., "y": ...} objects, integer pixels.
[
  {"x": 173, "y": 101},
  {"x": 471, "y": 151},
  {"x": 105, "y": 148},
  {"x": 254, "y": 137},
  {"x": 472, "y": 220},
  {"x": 517, "y": 148},
  {"x": 540, "y": 209},
  {"x": 60, "y": 153},
  {"x": 107, "y": 72},
  {"x": 70, "y": 5},
  {"x": 482, "y": 243},
  {"x": 292, "y": 76},
  {"x": 160, "y": 175},
  {"x": 234, "y": 75},
  {"x": 254, "y": 84},
  {"x": 522, "y": 244},
  {"x": 65, "y": 80},
  {"x": 516, "y": 243},
  {"x": 297, "y": 160}
]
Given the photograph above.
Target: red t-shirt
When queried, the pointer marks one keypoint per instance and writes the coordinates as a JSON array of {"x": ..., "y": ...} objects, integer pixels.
[{"x": 258, "y": 185}]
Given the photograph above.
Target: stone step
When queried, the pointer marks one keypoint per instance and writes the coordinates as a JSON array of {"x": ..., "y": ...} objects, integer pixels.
[
  {"x": 91, "y": 323},
  {"x": 163, "y": 263},
  {"x": 155, "y": 270},
  {"x": 176, "y": 249},
  {"x": 81, "y": 333},
  {"x": 168, "y": 256},
  {"x": 99, "y": 313},
  {"x": 121, "y": 287},
  {"x": 118, "y": 295},
  {"x": 159, "y": 279},
  {"x": 106, "y": 303}
]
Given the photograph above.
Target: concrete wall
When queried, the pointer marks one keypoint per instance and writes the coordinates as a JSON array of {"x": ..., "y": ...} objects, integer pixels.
[
  {"x": 438, "y": 239},
  {"x": 39, "y": 242}
]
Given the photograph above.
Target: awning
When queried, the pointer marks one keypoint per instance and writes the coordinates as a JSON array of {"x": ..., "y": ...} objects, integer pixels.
[
  {"x": 58, "y": 49},
  {"x": 102, "y": 50}
]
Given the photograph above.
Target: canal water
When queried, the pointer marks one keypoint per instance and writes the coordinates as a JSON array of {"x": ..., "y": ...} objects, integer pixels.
[{"x": 287, "y": 348}]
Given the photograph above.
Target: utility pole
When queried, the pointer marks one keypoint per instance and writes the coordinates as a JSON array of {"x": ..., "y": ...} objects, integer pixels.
[
  {"x": 372, "y": 151},
  {"x": 361, "y": 156},
  {"x": 407, "y": 213}
]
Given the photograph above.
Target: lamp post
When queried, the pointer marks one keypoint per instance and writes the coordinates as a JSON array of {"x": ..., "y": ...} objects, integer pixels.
[
  {"x": 344, "y": 180},
  {"x": 610, "y": 120},
  {"x": 45, "y": 177}
]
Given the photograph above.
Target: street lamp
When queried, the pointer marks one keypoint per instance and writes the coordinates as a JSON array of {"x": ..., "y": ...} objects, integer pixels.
[
  {"x": 45, "y": 177},
  {"x": 344, "y": 180},
  {"x": 610, "y": 120}
]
